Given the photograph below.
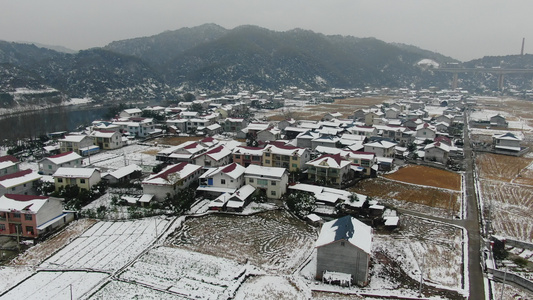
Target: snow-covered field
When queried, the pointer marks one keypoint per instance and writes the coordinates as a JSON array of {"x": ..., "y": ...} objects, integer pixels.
[
  {"x": 111, "y": 160},
  {"x": 107, "y": 246}
]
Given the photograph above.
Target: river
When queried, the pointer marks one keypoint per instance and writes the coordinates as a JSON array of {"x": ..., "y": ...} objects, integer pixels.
[{"x": 36, "y": 123}]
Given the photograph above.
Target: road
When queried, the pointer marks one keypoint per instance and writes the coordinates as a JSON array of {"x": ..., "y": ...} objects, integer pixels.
[{"x": 471, "y": 223}]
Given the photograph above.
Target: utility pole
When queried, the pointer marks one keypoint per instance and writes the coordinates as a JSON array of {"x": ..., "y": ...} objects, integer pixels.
[
  {"x": 421, "y": 276},
  {"x": 503, "y": 286}
]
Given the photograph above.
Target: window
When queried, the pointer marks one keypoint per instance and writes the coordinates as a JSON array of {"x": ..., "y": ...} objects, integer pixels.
[
  {"x": 272, "y": 183},
  {"x": 267, "y": 154},
  {"x": 295, "y": 165},
  {"x": 60, "y": 180},
  {"x": 14, "y": 188},
  {"x": 237, "y": 156},
  {"x": 82, "y": 180},
  {"x": 267, "y": 161},
  {"x": 49, "y": 167},
  {"x": 295, "y": 158},
  {"x": 247, "y": 157},
  {"x": 29, "y": 229},
  {"x": 250, "y": 180},
  {"x": 273, "y": 193},
  {"x": 342, "y": 244},
  {"x": 16, "y": 215},
  {"x": 28, "y": 217},
  {"x": 2, "y": 227},
  {"x": 262, "y": 181},
  {"x": 222, "y": 181}
]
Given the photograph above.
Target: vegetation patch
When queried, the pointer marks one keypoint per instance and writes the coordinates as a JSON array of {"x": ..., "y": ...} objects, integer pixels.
[
  {"x": 501, "y": 167},
  {"x": 427, "y": 176},
  {"x": 407, "y": 194}
]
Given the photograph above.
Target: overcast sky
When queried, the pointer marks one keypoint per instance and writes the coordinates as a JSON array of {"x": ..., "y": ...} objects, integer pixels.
[{"x": 462, "y": 29}]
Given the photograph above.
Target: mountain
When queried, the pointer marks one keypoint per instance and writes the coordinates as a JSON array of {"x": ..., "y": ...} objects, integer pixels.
[{"x": 212, "y": 58}]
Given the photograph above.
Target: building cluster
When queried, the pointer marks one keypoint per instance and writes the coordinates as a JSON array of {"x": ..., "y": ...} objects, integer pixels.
[{"x": 236, "y": 157}]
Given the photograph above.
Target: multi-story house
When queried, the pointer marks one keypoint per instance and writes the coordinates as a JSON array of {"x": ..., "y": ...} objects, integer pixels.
[
  {"x": 245, "y": 156},
  {"x": 107, "y": 139},
  {"x": 49, "y": 165},
  {"x": 234, "y": 124},
  {"x": 75, "y": 143},
  {"x": 21, "y": 182},
  {"x": 30, "y": 216},
  {"x": 285, "y": 156},
  {"x": 364, "y": 161},
  {"x": 184, "y": 152},
  {"x": 214, "y": 157},
  {"x": 8, "y": 165},
  {"x": 84, "y": 178},
  {"x": 224, "y": 179},
  {"x": 332, "y": 169},
  {"x": 171, "y": 180},
  {"x": 273, "y": 181},
  {"x": 131, "y": 113},
  {"x": 382, "y": 148}
]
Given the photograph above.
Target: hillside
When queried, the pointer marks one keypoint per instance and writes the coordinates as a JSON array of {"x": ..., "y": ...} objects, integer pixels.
[{"x": 212, "y": 58}]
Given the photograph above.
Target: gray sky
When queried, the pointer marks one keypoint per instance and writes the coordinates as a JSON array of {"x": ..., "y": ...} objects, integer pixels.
[{"x": 462, "y": 29}]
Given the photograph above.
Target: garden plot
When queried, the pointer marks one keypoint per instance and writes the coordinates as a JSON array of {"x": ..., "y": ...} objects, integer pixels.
[
  {"x": 434, "y": 201},
  {"x": 269, "y": 287},
  {"x": 273, "y": 240},
  {"x": 118, "y": 158},
  {"x": 56, "y": 285},
  {"x": 511, "y": 208},
  {"x": 118, "y": 290},
  {"x": 187, "y": 273},
  {"x": 107, "y": 245},
  {"x": 427, "y": 176}
]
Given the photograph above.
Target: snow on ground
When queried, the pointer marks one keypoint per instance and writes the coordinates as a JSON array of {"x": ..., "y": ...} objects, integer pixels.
[
  {"x": 435, "y": 110},
  {"x": 269, "y": 287},
  {"x": 107, "y": 245},
  {"x": 198, "y": 275},
  {"x": 486, "y": 114},
  {"x": 78, "y": 101},
  {"x": 118, "y": 290},
  {"x": 118, "y": 158},
  {"x": 56, "y": 285}
]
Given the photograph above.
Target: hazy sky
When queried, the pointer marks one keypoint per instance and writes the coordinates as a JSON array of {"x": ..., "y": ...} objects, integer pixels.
[{"x": 462, "y": 29}]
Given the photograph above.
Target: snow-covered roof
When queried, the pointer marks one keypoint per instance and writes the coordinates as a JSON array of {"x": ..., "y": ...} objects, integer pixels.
[
  {"x": 438, "y": 145},
  {"x": 104, "y": 133},
  {"x": 7, "y": 161},
  {"x": 218, "y": 153},
  {"x": 125, "y": 171},
  {"x": 285, "y": 150},
  {"x": 9, "y": 202},
  {"x": 172, "y": 174},
  {"x": 233, "y": 170},
  {"x": 245, "y": 150},
  {"x": 349, "y": 229},
  {"x": 75, "y": 172},
  {"x": 73, "y": 138},
  {"x": 63, "y": 157},
  {"x": 260, "y": 171},
  {"x": 329, "y": 161},
  {"x": 18, "y": 178},
  {"x": 507, "y": 136},
  {"x": 381, "y": 144}
]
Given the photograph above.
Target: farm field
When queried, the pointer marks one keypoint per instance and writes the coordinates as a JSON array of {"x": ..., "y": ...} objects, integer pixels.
[
  {"x": 429, "y": 200},
  {"x": 422, "y": 175},
  {"x": 502, "y": 167},
  {"x": 107, "y": 245},
  {"x": 264, "y": 240}
]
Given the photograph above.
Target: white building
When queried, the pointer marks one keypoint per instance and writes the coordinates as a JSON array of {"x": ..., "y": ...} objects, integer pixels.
[
  {"x": 171, "y": 180},
  {"x": 270, "y": 179}
]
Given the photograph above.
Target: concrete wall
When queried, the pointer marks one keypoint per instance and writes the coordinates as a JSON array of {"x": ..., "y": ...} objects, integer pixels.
[
  {"x": 510, "y": 277},
  {"x": 342, "y": 256}
]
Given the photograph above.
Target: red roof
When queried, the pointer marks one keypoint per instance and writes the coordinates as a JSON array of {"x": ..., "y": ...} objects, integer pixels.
[
  {"x": 16, "y": 175},
  {"x": 215, "y": 150},
  {"x": 207, "y": 140},
  {"x": 24, "y": 197},
  {"x": 61, "y": 154},
  {"x": 229, "y": 168},
  {"x": 442, "y": 139},
  {"x": 191, "y": 146},
  {"x": 172, "y": 170},
  {"x": 9, "y": 158},
  {"x": 336, "y": 157}
]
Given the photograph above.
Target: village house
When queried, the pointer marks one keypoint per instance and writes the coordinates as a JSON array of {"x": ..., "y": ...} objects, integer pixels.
[
  {"x": 392, "y": 113},
  {"x": 273, "y": 181},
  {"x": 367, "y": 131},
  {"x": 123, "y": 174},
  {"x": 286, "y": 123},
  {"x": 138, "y": 127},
  {"x": 373, "y": 115},
  {"x": 304, "y": 140},
  {"x": 332, "y": 115},
  {"x": 498, "y": 121},
  {"x": 8, "y": 165},
  {"x": 402, "y": 135},
  {"x": 84, "y": 178},
  {"x": 234, "y": 124},
  {"x": 49, "y": 165},
  {"x": 437, "y": 151},
  {"x": 184, "y": 152},
  {"x": 332, "y": 169},
  {"x": 285, "y": 156},
  {"x": 130, "y": 113},
  {"x": 76, "y": 143},
  {"x": 506, "y": 142},
  {"x": 214, "y": 157},
  {"x": 363, "y": 163},
  {"x": 444, "y": 118},
  {"x": 343, "y": 248},
  {"x": 325, "y": 141},
  {"x": 240, "y": 199},
  {"x": 425, "y": 131},
  {"x": 171, "y": 180},
  {"x": 107, "y": 139},
  {"x": 382, "y": 148},
  {"x": 30, "y": 216},
  {"x": 224, "y": 179},
  {"x": 21, "y": 182},
  {"x": 245, "y": 156},
  {"x": 213, "y": 129}
]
